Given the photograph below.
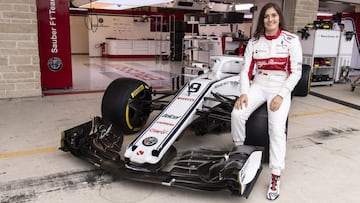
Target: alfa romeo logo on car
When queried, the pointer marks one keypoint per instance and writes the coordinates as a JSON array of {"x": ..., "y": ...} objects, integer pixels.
[
  {"x": 55, "y": 64},
  {"x": 150, "y": 141}
]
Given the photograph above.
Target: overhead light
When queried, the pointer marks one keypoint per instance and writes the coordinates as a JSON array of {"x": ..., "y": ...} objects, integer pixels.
[
  {"x": 324, "y": 13},
  {"x": 243, "y": 7},
  {"x": 248, "y": 16}
]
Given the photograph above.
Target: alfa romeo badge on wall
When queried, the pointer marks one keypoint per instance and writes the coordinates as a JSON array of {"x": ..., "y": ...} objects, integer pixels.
[{"x": 55, "y": 64}]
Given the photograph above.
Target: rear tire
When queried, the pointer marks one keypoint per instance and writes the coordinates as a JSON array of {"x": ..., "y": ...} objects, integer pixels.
[
  {"x": 257, "y": 130},
  {"x": 126, "y": 104},
  {"x": 303, "y": 86}
]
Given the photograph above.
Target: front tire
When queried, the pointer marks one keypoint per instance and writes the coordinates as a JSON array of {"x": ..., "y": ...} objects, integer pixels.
[{"x": 126, "y": 104}]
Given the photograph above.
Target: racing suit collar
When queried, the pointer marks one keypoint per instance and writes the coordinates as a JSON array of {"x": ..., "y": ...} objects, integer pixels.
[{"x": 273, "y": 36}]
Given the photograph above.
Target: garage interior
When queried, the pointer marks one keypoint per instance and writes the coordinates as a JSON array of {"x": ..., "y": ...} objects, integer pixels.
[{"x": 323, "y": 133}]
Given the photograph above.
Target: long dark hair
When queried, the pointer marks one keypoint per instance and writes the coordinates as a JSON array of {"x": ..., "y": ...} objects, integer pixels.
[{"x": 260, "y": 28}]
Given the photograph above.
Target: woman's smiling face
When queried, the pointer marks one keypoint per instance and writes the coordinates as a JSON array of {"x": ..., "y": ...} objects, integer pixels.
[{"x": 271, "y": 21}]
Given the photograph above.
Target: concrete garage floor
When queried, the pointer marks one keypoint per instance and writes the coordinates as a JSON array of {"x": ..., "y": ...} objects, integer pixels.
[{"x": 322, "y": 164}]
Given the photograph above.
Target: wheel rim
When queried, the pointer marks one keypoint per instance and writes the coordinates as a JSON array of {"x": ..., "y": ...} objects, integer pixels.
[{"x": 136, "y": 113}]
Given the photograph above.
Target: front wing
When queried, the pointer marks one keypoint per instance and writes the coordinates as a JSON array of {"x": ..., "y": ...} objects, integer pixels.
[{"x": 235, "y": 170}]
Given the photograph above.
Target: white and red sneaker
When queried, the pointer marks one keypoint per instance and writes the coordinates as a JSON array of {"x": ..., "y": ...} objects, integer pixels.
[{"x": 274, "y": 188}]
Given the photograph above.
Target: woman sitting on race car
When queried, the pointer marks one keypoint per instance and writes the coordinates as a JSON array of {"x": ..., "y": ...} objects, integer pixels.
[{"x": 276, "y": 55}]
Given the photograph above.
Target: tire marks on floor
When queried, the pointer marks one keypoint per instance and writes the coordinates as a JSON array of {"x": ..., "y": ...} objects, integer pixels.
[
  {"x": 27, "y": 190},
  {"x": 321, "y": 136}
]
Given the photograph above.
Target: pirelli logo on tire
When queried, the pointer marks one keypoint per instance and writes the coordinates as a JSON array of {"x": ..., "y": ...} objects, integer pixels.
[{"x": 138, "y": 90}]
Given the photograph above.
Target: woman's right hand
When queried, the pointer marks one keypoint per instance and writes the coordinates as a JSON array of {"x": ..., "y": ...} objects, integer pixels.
[{"x": 241, "y": 102}]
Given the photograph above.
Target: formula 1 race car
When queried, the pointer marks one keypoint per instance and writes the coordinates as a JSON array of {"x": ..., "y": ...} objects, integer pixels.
[{"x": 204, "y": 103}]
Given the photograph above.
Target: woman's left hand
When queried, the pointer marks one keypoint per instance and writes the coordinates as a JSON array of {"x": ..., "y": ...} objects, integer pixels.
[{"x": 275, "y": 103}]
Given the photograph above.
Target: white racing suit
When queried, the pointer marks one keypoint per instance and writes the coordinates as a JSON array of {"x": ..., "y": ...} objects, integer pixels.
[{"x": 276, "y": 64}]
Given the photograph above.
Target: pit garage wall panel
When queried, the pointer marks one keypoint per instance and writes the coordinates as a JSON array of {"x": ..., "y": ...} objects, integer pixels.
[{"x": 54, "y": 43}]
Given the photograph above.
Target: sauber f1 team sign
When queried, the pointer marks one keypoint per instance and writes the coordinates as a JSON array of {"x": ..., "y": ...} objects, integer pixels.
[{"x": 54, "y": 43}]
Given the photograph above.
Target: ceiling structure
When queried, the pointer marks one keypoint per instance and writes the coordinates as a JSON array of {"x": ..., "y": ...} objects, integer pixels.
[
  {"x": 326, "y": 7},
  {"x": 205, "y": 5},
  {"x": 115, "y": 4}
]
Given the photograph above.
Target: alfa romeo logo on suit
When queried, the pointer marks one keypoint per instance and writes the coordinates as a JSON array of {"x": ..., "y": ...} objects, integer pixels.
[
  {"x": 55, "y": 64},
  {"x": 150, "y": 141}
]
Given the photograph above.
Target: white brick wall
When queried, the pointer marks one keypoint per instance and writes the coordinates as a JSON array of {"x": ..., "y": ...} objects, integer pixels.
[
  {"x": 19, "y": 58},
  {"x": 305, "y": 13},
  {"x": 357, "y": 9}
]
